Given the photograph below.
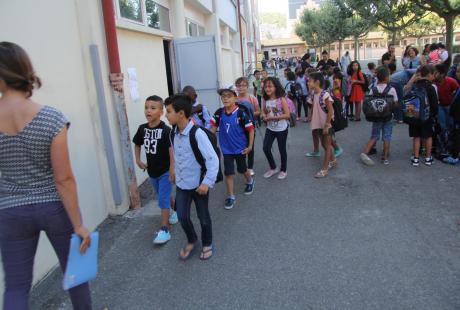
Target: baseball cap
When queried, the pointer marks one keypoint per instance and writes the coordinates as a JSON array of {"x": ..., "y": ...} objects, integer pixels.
[{"x": 229, "y": 89}]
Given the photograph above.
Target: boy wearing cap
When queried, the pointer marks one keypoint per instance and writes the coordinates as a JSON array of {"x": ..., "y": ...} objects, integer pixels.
[{"x": 236, "y": 138}]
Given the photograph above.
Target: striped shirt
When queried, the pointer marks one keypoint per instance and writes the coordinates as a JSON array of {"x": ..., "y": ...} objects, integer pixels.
[{"x": 26, "y": 175}]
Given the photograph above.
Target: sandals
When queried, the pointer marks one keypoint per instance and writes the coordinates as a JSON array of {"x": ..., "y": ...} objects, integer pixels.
[
  {"x": 204, "y": 252},
  {"x": 321, "y": 174},
  {"x": 189, "y": 254},
  {"x": 333, "y": 164}
]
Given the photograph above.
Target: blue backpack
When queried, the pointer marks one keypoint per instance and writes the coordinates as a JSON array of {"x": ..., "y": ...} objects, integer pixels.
[{"x": 416, "y": 108}]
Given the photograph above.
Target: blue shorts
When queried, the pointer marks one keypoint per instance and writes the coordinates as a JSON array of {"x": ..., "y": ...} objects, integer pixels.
[
  {"x": 163, "y": 188},
  {"x": 384, "y": 129}
]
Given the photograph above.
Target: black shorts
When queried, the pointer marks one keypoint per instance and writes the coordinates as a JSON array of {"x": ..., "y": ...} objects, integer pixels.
[
  {"x": 423, "y": 130},
  {"x": 229, "y": 163}
]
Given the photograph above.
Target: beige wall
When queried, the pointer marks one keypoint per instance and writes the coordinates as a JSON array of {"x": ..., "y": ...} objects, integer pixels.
[
  {"x": 60, "y": 53},
  {"x": 144, "y": 52}
]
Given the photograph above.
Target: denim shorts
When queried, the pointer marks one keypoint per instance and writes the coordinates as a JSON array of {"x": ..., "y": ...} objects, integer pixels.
[
  {"x": 163, "y": 188},
  {"x": 383, "y": 129}
]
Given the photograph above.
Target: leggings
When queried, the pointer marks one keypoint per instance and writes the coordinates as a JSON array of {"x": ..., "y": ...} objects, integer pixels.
[
  {"x": 281, "y": 137},
  {"x": 19, "y": 233},
  {"x": 302, "y": 103}
]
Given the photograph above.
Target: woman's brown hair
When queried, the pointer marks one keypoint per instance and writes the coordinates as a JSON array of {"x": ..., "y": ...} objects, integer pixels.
[{"x": 16, "y": 69}]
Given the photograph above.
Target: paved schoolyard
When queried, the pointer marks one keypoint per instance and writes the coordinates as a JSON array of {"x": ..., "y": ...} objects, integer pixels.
[{"x": 383, "y": 237}]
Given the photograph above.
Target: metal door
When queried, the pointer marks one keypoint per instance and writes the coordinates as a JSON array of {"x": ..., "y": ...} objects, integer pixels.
[{"x": 196, "y": 65}]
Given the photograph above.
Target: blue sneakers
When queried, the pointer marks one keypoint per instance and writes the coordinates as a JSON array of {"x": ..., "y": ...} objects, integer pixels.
[
  {"x": 162, "y": 237},
  {"x": 338, "y": 152},
  {"x": 229, "y": 203},
  {"x": 173, "y": 217},
  {"x": 450, "y": 160},
  {"x": 249, "y": 187}
]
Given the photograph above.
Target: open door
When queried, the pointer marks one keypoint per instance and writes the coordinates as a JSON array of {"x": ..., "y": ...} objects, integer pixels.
[{"x": 196, "y": 65}]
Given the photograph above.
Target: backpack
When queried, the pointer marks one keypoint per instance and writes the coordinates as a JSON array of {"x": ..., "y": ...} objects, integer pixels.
[
  {"x": 416, "y": 108},
  {"x": 292, "y": 110},
  {"x": 242, "y": 109},
  {"x": 455, "y": 107},
  {"x": 340, "y": 121},
  {"x": 196, "y": 151},
  {"x": 365, "y": 86},
  {"x": 295, "y": 91},
  {"x": 249, "y": 112},
  {"x": 378, "y": 107}
]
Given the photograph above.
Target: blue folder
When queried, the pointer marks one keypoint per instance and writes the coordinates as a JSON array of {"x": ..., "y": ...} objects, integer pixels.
[{"x": 81, "y": 268}]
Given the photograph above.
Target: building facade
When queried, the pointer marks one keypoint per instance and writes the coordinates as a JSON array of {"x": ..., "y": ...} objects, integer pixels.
[{"x": 162, "y": 44}]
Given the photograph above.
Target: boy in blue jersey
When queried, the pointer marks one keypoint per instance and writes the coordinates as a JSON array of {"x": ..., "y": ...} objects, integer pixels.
[{"x": 236, "y": 139}]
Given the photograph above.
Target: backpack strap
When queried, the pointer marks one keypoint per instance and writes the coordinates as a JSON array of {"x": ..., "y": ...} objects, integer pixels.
[
  {"x": 194, "y": 144},
  {"x": 386, "y": 90},
  {"x": 375, "y": 90},
  {"x": 321, "y": 101},
  {"x": 219, "y": 115},
  {"x": 172, "y": 134}
]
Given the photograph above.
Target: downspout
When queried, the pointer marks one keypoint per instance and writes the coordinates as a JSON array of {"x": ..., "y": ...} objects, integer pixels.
[
  {"x": 116, "y": 83},
  {"x": 241, "y": 35}
]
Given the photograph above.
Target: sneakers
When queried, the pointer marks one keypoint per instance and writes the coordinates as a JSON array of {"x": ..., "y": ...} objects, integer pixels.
[
  {"x": 173, "y": 217},
  {"x": 338, "y": 152},
  {"x": 450, "y": 160},
  {"x": 249, "y": 187},
  {"x": 373, "y": 151},
  {"x": 415, "y": 161},
  {"x": 428, "y": 161},
  {"x": 162, "y": 237},
  {"x": 270, "y": 173},
  {"x": 366, "y": 159},
  {"x": 313, "y": 154},
  {"x": 385, "y": 162},
  {"x": 229, "y": 203},
  {"x": 251, "y": 172},
  {"x": 282, "y": 175}
]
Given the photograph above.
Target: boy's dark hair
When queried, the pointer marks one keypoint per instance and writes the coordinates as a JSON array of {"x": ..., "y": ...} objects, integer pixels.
[
  {"x": 188, "y": 88},
  {"x": 390, "y": 45},
  {"x": 256, "y": 71},
  {"x": 287, "y": 70},
  {"x": 350, "y": 67},
  {"x": 242, "y": 80},
  {"x": 324, "y": 53},
  {"x": 180, "y": 102},
  {"x": 337, "y": 70},
  {"x": 441, "y": 68},
  {"x": 371, "y": 66},
  {"x": 434, "y": 47},
  {"x": 441, "y": 45},
  {"x": 300, "y": 72},
  {"x": 392, "y": 67},
  {"x": 318, "y": 76},
  {"x": 425, "y": 70},
  {"x": 155, "y": 98},
  {"x": 291, "y": 76},
  {"x": 338, "y": 75},
  {"x": 382, "y": 73},
  {"x": 279, "y": 90}
]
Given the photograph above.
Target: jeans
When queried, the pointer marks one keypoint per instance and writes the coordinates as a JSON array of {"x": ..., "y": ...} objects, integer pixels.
[
  {"x": 19, "y": 233},
  {"x": 184, "y": 200},
  {"x": 444, "y": 118},
  {"x": 163, "y": 189},
  {"x": 281, "y": 137}
]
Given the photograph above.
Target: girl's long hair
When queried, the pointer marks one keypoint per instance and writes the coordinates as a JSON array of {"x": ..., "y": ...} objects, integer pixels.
[
  {"x": 350, "y": 68},
  {"x": 279, "y": 90}
]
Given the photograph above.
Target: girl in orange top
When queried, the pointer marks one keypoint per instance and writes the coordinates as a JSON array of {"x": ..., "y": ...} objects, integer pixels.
[{"x": 357, "y": 92}]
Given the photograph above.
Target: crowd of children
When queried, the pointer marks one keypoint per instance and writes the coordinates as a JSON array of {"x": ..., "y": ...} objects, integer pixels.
[{"x": 424, "y": 95}]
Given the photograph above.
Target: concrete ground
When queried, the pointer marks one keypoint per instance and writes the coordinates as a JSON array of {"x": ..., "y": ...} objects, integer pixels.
[{"x": 382, "y": 237}]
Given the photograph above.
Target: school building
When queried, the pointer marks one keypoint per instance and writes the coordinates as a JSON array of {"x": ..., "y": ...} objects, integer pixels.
[{"x": 155, "y": 47}]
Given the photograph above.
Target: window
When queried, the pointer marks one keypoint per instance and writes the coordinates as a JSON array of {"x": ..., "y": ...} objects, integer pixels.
[
  {"x": 332, "y": 47},
  {"x": 375, "y": 44},
  {"x": 361, "y": 45},
  {"x": 283, "y": 51},
  {"x": 383, "y": 44},
  {"x": 193, "y": 29},
  {"x": 353, "y": 45},
  {"x": 369, "y": 45},
  {"x": 157, "y": 16},
  {"x": 274, "y": 51},
  {"x": 131, "y": 9},
  {"x": 201, "y": 31},
  {"x": 145, "y": 12},
  {"x": 346, "y": 46},
  {"x": 457, "y": 38},
  {"x": 441, "y": 39},
  {"x": 294, "y": 50}
]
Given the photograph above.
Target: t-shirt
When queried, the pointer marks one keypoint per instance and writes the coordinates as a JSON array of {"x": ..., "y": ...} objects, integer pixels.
[
  {"x": 156, "y": 142},
  {"x": 381, "y": 88},
  {"x": 321, "y": 64},
  {"x": 232, "y": 137},
  {"x": 319, "y": 117},
  {"x": 446, "y": 91},
  {"x": 258, "y": 86},
  {"x": 388, "y": 56},
  {"x": 275, "y": 108}
]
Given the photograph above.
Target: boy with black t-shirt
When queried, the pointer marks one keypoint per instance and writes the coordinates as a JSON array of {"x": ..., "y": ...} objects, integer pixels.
[{"x": 154, "y": 137}]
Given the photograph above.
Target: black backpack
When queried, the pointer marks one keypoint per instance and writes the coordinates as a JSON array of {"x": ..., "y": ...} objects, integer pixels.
[
  {"x": 416, "y": 108},
  {"x": 365, "y": 86},
  {"x": 196, "y": 151},
  {"x": 455, "y": 107},
  {"x": 295, "y": 91},
  {"x": 340, "y": 120},
  {"x": 378, "y": 107}
]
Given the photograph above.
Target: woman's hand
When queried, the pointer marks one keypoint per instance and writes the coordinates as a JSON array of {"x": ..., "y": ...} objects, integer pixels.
[{"x": 85, "y": 236}]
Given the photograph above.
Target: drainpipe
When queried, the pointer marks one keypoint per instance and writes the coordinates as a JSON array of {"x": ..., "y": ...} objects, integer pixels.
[
  {"x": 241, "y": 35},
  {"x": 116, "y": 83}
]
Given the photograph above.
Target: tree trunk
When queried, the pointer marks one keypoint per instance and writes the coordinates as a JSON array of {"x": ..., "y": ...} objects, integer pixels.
[
  {"x": 340, "y": 49},
  {"x": 449, "y": 32},
  {"x": 393, "y": 37},
  {"x": 356, "y": 48}
]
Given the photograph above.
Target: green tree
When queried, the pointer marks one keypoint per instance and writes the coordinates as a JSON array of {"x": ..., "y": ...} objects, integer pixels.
[
  {"x": 392, "y": 15},
  {"x": 337, "y": 24},
  {"x": 430, "y": 24},
  {"x": 312, "y": 30},
  {"x": 447, "y": 10}
]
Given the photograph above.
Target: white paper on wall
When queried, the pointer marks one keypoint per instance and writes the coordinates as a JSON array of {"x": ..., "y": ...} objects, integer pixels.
[{"x": 133, "y": 85}]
